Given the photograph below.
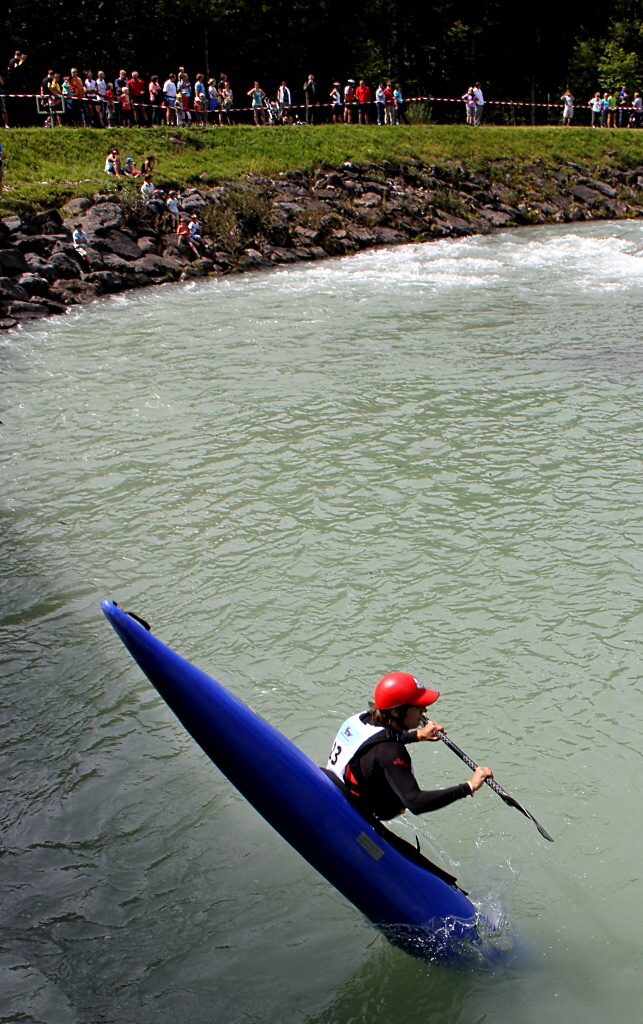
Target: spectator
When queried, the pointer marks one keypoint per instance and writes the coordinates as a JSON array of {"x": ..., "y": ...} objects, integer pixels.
[
  {"x": 612, "y": 104},
  {"x": 183, "y": 236},
  {"x": 623, "y": 109},
  {"x": 147, "y": 188},
  {"x": 596, "y": 107},
  {"x": 113, "y": 163},
  {"x": 363, "y": 97},
  {"x": 336, "y": 99},
  {"x": 184, "y": 89},
  {"x": 227, "y": 101},
  {"x": 400, "y": 114},
  {"x": 258, "y": 99},
  {"x": 136, "y": 87},
  {"x": 213, "y": 100},
  {"x": 568, "y": 107},
  {"x": 380, "y": 103},
  {"x": 3, "y": 111},
  {"x": 17, "y": 59},
  {"x": 126, "y": 108},
  {"x": 389, "y": 104},
  {"x": 156, "y": 99},
  {"x": 349, "y": 99},
  {"x": 173, "y": 209},
  {"x": 470, "y": 105},
  {"x": 45, "y": 85},
  {"x": 91, "y": 94},
  {"x": 605, "y": 109},
  {"x": 130, "y": 169},
  {"x": 200, "y": 101},
  {"x": 477, "y": 92},
  {"x": 79, "y": 108},
  {"x": 79, "y": 239},
  {"x": 169, "y": 95},
  {"x": 156, "y": 205},
  {"x": 109, "y": 104},
  {"x": 195, "y": 229},
  {"x": 55, "y": 92},
  {"x": 68, "y": 97},
  {"x": 310, "y": 99},
  {"x": 284, "y": 99},
  {"x": 101, "y": 90},
  {"x": 1, "y": 168},
  {"x": 120, "y": 83},
  {"x": 637, "y": 103},
  {"x": 148, "y": 165}
]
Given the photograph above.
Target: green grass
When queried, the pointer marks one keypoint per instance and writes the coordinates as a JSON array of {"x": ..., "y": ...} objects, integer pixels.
[{"x": 47, "y": 167}]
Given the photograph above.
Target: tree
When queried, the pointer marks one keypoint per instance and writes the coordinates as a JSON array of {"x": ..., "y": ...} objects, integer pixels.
[{"x": 617, "y": 68}]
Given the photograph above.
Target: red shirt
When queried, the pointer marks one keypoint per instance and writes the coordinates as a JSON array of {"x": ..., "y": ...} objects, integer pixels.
[
  {"x": 363, "y": 94},
  {"x": 136, "y": 87}
]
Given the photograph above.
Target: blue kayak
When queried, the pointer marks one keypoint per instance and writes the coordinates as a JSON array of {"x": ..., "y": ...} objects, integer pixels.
[{"x": 413, "y": 906}]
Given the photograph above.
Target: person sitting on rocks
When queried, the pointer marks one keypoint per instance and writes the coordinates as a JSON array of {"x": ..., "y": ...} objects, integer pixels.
[
  {"x": 79, "y": 240},
  {"x": 156, "y": 205},
  {"x": 147, "y": 167},
  {"x": 195, "y": 229},
  {"x": 147, "y": 188},
  {"x": 183, "y": 236}
]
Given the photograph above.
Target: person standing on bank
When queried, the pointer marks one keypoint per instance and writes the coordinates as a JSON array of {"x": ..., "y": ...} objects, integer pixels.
[
  {"x": 477, "y": 92},
  {"x": 310, "y": 99},
  {"x": 370, "y": 761}
]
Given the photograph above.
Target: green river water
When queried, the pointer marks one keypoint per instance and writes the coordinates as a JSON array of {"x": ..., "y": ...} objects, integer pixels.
[{"x": 426, "y": 458}]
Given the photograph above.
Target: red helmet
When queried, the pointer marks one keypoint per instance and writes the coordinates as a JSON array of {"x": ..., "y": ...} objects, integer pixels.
[{"x": 398, "y": 688}]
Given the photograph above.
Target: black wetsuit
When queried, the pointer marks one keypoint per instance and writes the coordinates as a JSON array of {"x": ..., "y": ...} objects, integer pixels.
[{"x": 381, "y": 780}]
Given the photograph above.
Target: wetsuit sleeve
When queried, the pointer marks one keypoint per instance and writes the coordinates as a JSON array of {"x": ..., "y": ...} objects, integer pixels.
[
  {"x": 397, "y": 768},
  {"x": 410, "y": 736}
]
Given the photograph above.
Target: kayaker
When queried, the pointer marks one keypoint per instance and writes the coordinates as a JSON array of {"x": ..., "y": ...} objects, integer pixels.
[{"x": 370, "y": 760}]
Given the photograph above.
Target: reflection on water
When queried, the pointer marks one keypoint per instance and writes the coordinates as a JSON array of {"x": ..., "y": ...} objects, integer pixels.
[{"x": 428, "y": 457}]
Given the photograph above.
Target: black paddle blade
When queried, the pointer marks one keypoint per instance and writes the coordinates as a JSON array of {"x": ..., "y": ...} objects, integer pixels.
[{"x": 502, "y": 793}]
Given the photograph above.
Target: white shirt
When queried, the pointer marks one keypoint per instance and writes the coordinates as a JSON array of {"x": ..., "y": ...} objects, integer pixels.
[
  {"x": 101, "y": 86},
  {"x": 169, "y": 88},
  {"x": 283, "y": 96},
  {"x": 479, "y": 97}
]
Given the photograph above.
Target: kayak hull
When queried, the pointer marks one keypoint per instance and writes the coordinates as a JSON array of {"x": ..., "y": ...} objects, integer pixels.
[{"x": 410, "y": 904}]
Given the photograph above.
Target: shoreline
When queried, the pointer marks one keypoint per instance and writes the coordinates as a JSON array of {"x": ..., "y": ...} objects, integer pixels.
[{"x": 298, "y": 216}]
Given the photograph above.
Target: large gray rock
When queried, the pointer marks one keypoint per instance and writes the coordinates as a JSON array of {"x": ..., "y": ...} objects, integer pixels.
[
  {"x": 105, "y": 215},
  {"x": 34, "y": 284},
  {"x": 12, "y": 263},
  {"x": 38, "y": 265},
  {"x": 42, "y": 245},
  {"x": 66, "y": 266},
  {"x": 27, "y": 310},
  {"x": 75, "y": 207},
  {"x": 156, "y": 265},
  {"x": 48, "y": 222},
  {"x": 73, "y": 293},
  {"x": 106, "y": 280},
  {"x": 122, "y": 245},
  {"x": 149, "y": 245},
  {"x": 12, "y": 289}
]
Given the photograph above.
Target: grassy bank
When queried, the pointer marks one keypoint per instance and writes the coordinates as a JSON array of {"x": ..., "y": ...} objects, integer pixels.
[{"x": 46, "y": 168}]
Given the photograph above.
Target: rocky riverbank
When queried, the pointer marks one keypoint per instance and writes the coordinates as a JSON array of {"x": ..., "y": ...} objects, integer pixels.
[{"x": 267, "y": 222}]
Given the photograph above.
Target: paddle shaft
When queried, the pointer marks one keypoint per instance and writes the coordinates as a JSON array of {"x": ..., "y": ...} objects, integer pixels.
[{"x": 502, "y": 793}]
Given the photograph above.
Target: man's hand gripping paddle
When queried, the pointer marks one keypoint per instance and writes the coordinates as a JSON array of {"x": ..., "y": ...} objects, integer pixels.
[{"x": 502, "y": 793}]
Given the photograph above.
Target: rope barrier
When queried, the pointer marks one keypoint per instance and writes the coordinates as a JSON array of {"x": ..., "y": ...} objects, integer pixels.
[{"x": 55, "y": 102}]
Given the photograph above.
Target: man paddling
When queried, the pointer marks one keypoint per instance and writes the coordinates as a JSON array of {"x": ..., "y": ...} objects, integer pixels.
[{"x": 370, "y": 761}]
